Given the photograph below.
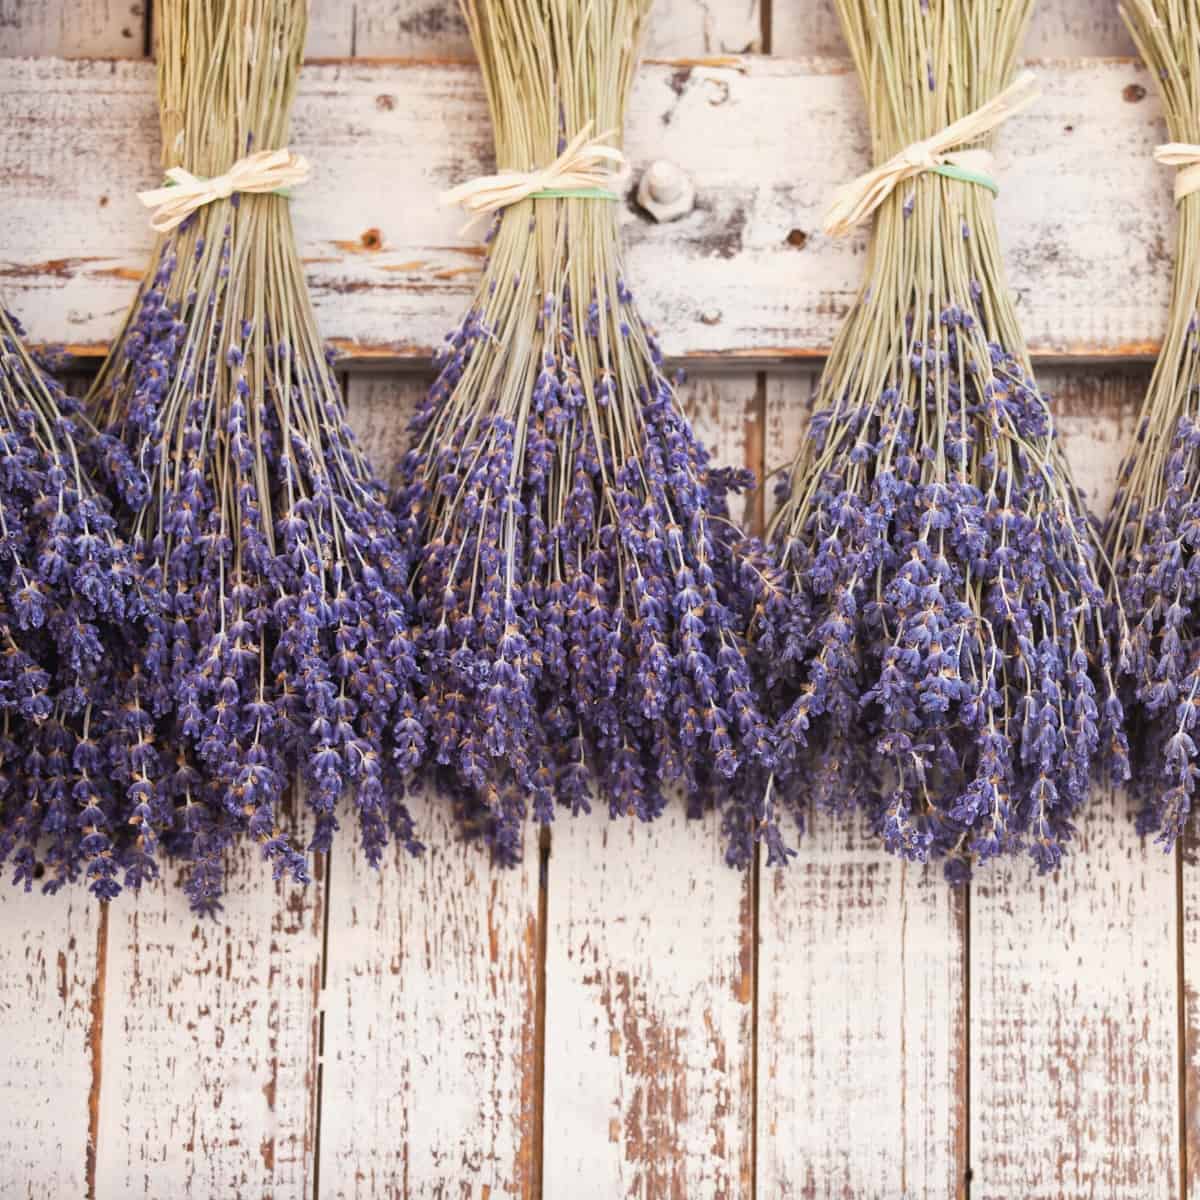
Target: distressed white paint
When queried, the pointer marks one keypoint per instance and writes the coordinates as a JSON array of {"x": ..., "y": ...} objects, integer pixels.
[
  {"x": 648, "y": 1011},
  {"x": 210, "y": 1041},
  {"x": 1074, "y": 1046},
  {"x": 50, "y": 986},
  {"x": 766, "y": 145},
  {"x": 73, "y": 27},
  {"x": 861, "y": 1024}
]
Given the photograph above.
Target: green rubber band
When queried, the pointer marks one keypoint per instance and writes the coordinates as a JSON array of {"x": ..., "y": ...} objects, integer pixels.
[
  {"x": 964, "y": 176},
  {"x": 574, "y": 194}
]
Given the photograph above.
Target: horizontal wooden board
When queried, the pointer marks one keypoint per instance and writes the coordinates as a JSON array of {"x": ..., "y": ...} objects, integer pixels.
[{"x": 1086, "y": 217}]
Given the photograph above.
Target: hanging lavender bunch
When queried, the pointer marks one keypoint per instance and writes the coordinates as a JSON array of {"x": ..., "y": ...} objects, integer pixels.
[
  {"x": 1153, "y": 529},
  {"x": 941, "y": 663},
  {"x": 268, "y": 560},
  {"x": 576, "y": 561},
  {"x": 64, "y": 596}
]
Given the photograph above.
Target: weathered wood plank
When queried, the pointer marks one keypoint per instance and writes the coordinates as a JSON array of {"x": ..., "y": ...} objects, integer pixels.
[
  {"x": 747, "y": 274},
  {"x": 1062, "y": 29},
  {"x": 430, "y": 1021},
  {"x": 1074, "y": 1004},
  {"x": 1074, "y": 1022},
  {"x": 649, "y": 967},
  {"x": 435, "y": 28},
  {"x": 648, "y": 1013},
  {"x": 862, "y": 1018},
  {"x": 211, "y": 1042},
  {"x": 861, "y": 1029},
  {"x": 73, "y": 27},
  {"x": 51, "y": 990},
  {"x": 430, "y": 1006}
]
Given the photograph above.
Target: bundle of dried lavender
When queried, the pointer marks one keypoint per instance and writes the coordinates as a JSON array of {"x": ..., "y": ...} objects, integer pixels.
[
  {"x": 65, "y": 597},
  {"x": 1154, "y": 528},
  {"x": 938, "y": 659},
  {"x": 576, "y": 578},
  {"x": 267, "y": 558}
]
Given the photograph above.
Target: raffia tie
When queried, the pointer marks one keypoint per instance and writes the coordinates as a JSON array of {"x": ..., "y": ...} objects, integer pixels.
[
  {"x": 1186, "y": 157},
  {"x": 854, "y": 202},
  {"x": 585, "y": 169},
  {"x": 264, "y": 171}
]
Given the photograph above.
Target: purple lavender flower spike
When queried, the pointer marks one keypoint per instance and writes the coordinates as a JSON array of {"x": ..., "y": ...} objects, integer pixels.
[
  {"x": 271, "y": 570},
  {"x": 581, "y": 594},
  {"x": 939, "y": 661}
]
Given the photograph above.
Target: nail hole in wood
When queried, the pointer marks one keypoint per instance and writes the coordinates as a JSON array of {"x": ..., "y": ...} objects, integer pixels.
[
  {"x": 797, "y": 238},
  {"x": 1134, "y": 92},
  {"x": 372, "y": 239}
]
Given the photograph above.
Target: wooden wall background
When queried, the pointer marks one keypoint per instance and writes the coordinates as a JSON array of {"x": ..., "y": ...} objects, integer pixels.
[{"x": 621, "y": 1017}]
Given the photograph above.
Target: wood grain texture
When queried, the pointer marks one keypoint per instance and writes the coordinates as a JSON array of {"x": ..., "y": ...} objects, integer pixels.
[
  {"x": 650, "y": 968},
  {"x": 391, "y": 273},
  {"x": 51, "y": 952},
  {"x": 1074, "y": 987},
  {"x": 73, "y": 27},
  {"x": 1074, "y": 1022},
  {"x": 1058, "y": 29},
  {"x": 436, "y": 29},
  {"x": 430, "y": 1006},
  {"x": 211, "y": 1042},
  {"x": 430, "y": 996},
  {"x": 648, "y": 1012}
]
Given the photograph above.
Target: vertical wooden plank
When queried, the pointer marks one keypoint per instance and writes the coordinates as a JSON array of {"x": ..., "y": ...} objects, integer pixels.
[
  {"x": 51, "y": 983},
  {"x": 428, "y": 1078},
  {"x": 649, "y": 1016},
  {"x": 649, "y": 968},
  {"x": 1074, "y": 1022},
  {"x": 210, "y": 1041},
  {"x": 861, "y": 1022},
  {"x": 862, "y": 1058},
  {"x": 1074, "y": 977},
  {"x": 435, "y": 29},
  {"x": 96, "y": 28}
]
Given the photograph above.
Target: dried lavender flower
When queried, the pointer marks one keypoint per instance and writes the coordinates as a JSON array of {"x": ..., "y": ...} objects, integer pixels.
[
  {"x": 576, "y": 581},
  {"x": 1154, "y": 527},
  {"x": 268, "y": 562},
  {"x": 941, "y": 661},
  {"x": 65, "y": 597}
]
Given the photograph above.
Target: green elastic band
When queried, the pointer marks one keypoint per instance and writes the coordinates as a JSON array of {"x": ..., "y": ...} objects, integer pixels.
[
  {"x": 574, "y": 194},
  {"x": 964, "y": 176}
]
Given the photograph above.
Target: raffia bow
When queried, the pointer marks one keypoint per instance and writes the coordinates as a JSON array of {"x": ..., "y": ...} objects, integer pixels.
[
  {"x": 585, "y": 168},
  {"x": 264, "y": 171},
  {"x": 1186, "y": 157},
  {"x": 857, "y": 200}
]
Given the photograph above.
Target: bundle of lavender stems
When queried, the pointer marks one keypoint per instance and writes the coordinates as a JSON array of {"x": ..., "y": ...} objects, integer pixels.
[
  {"x": 941, "y": 663},
  {"x": 576, "y": 572},
  {"x": 1153, "y": 529},
  {"x": 65, "y": 598},
  {"x": 277, "y": 649}
]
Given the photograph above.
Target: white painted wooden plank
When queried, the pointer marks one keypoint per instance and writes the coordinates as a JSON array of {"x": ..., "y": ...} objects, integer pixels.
[
  {"x": 51, "y": 990},
  {"x": 1074, "y": 981},
  {"x": 1058, "y": 29},
  {"x": 861, "y": 1029},
  {"x": 1189, "y": 1007},
  {"x": 1084, "y": 214},
  {"x": 1074, "y": 1022},
  {"x": 649, "y": 966},
  {"x": 648, "y": 1013},
  {"x": 862, "y": 1018},
  {"x": 331, "y": 28},
  {"x": 210, "y": 1042},
  {"x": 430, "y": 1021},
  {"x": 73, "y": 27},
  {"x": 436, "y": 29}
]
